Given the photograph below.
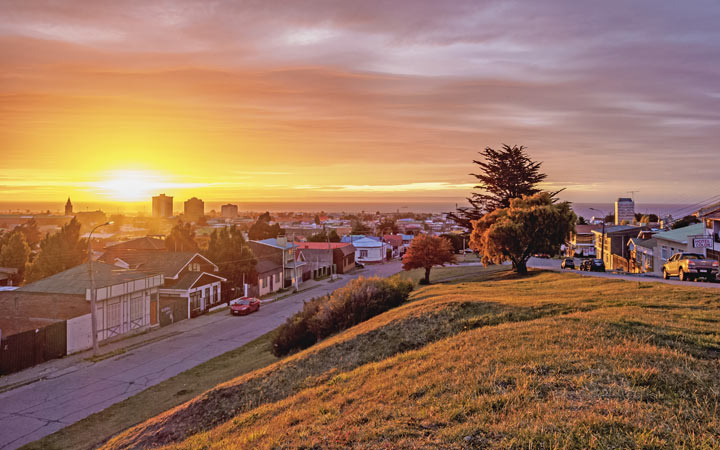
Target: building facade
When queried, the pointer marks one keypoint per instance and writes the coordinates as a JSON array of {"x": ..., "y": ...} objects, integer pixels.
[
  {"x": 68, "y": 208},
  {"x": 194, "y": 209},
  {"x": 162, "y": 206},
  {"x": 624, "y": 211},
  {"x": 229, "y": 211}
]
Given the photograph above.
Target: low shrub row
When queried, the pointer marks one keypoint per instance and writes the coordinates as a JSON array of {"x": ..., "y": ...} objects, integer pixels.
[{"x": 358, "y": 301}]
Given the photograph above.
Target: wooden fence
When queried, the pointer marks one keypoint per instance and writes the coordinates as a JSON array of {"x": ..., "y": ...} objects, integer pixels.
[{"x": 22, "y": 350}]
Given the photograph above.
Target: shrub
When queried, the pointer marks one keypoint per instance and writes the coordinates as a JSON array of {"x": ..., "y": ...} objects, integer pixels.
[{"x": 321, "y": 317}]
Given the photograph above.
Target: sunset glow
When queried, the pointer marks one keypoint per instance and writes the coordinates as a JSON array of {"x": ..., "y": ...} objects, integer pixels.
[{"x": 119, "y": 101}]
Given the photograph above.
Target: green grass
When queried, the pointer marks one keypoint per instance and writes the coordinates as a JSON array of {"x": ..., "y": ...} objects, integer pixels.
[
  {"x": 97, "y": 428},
  {"x": 484, "y": 360}
]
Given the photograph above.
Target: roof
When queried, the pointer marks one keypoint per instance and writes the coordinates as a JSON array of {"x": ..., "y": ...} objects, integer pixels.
[
  {"x": 680, "y": 235},
  {"x": 274, "y": 243},
  {"x": 618, "y": 229},
  {"x": 586, "y": 229},
  {"x": 647, "y": 243},
  {"x": 143, "y": 243},
  {"x": 190, "y": 279},
  {"x": 702, "y": 212},
  {"x": 345, "y": 247},
  {"x": 356, "y": 237},
  {"x": 316, "y": 254},
  {"x": 266, "y": 265},
  {"x": 393, "y": 239},
  {"x": 365, "y": 243},
  {"x": 167, "y": 263},
  {"x": 76, "y": 280}
]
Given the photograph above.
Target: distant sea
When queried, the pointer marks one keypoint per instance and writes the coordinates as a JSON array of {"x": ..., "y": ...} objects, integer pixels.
[{"x": 440, "y": 206}]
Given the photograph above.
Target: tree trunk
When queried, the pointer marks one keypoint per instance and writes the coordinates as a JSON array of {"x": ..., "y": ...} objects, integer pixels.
[
  {"x": 427, "y": 275},
  {"x": 521, "y": 267}
]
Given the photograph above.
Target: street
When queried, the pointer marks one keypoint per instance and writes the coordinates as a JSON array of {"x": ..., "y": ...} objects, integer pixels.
[
  {"x": 35, "y": 410},
  {"x": 554, "y": 264}
]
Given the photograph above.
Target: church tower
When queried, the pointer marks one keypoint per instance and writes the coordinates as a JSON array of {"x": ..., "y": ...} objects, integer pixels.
[{"x": 68, "y": 208}]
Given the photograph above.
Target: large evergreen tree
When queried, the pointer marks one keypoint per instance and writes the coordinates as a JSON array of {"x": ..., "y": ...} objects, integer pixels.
[
  {"x": 14, "y": 254},
  {"x": 58, "y": 252},
  {"x": 181, "y": 238},
  {"x": 504, "y": 174},
  {"x": 262, "y": 229}
]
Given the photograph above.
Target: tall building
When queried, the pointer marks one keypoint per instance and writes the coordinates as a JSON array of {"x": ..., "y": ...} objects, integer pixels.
[
  {"x": 194, "y": 209},
  {"x": 68, "y": 208},
  {"x": 624, "y": 210},
  {"x": 229, "y": 211},
  {"x": 162, "y": 206}
]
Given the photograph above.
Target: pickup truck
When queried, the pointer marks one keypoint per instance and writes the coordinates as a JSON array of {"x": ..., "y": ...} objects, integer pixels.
[{"x": 689, "y": 266}]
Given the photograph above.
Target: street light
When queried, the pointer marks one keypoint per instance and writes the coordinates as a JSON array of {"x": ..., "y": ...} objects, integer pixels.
[
  {"x": 93, "y": 294},
  {"x": 602, "y": 249}
]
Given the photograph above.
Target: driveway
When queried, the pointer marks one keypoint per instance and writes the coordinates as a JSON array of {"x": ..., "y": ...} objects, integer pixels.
[
  {"x": 554, "y": 264},
  {"x": 40, "y": 408}
]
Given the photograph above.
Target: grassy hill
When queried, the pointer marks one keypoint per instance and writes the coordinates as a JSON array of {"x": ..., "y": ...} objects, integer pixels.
[{"x": 491, "y": 361}]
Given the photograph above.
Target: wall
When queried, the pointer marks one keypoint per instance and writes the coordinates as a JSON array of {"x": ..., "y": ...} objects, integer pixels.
[{"x": 79, "y": 334}]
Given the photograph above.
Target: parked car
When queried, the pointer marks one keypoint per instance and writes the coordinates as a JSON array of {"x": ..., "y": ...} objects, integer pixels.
[
  {"x": 567, "y": 263},
  {"x": 593, "y": 265},
  {"x": 585, "y": 264},
  {"x": 689, "y": 266},
  {"x": 244, "y": 306}
]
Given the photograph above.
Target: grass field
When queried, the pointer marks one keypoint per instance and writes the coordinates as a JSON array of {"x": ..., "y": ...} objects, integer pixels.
[{"x": 486, "y": 361}]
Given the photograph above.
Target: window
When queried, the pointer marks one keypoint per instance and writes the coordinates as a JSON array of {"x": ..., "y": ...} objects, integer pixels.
[
  {"x": 216, "y": 297},
  {"x": 195, "y": 301},
  {"x": 263, "y": 282},
  {"x": 194, "y": 267},
  {"x": 663, "y": 253},
  {"x": 136, "y": 311},
  {"x": 363, "y": 253}
]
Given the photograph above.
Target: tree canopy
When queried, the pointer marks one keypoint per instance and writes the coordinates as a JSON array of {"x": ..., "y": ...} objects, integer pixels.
[
  {"x": 504, "y": 174},
  {"x": 427, "y": 251},
  {"x": 181, "y": 238},
  {"x": 262, "y": 229},
  {"x": 58, "y": 252},
  {"x": 532, "y": 224},
  {"x": 323, "y": 236},
  {"x": 227, "y": 248},
  {"x": 14, "y": 254},
  {"x": 387, "y": 226},
  {"x": 358, "y": 227}
]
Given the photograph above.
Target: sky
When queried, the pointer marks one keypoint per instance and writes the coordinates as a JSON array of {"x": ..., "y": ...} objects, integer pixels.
[{"x": 346, "y": 101}]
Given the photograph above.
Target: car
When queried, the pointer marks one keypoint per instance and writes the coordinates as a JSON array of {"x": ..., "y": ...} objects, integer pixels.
[
  {"x": 585, "y": 264},
  {"x": 597, "y": 265},
  {"x": 567, "y": 263},
  {"x": 244, "y": 306},
  {"x": 689, "y": 266}
]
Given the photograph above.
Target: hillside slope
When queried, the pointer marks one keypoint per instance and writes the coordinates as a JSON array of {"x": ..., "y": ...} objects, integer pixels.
[{"x": 547, "y": 361}]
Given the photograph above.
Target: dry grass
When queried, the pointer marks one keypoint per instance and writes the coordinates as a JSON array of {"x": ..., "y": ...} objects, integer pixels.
[{"x": 545, "y": 362}]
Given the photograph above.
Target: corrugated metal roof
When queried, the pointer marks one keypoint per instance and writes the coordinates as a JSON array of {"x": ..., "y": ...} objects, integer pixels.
[
  {"x": 680, "y": 235},
  {"x": 77, "y": 279}
]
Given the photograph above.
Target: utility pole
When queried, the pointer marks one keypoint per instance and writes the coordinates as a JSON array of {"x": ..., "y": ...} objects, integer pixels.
[
  {"x": 93, "y": 293},
  {"x": 602, "y": 248}
]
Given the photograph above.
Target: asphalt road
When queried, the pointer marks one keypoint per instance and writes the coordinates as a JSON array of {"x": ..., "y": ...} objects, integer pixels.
[
  {"x": 554, "y": 264},
  {"x": 33, "y": 411}
]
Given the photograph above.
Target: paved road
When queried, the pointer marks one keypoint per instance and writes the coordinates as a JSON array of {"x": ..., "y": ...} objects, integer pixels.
[
  {"x": 554, "y": 264},
  {"x": 33, "y": 411}
]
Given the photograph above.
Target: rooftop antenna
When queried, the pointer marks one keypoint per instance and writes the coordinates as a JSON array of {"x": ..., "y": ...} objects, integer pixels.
[{"x": 632, "y": 193}]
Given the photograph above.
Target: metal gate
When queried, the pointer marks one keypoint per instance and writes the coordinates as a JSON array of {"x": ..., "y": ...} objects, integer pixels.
[{"x": 26, "y": 349}]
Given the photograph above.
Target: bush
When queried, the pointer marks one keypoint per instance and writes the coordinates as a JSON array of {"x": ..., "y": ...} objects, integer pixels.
[{"x": 321, "y": 317}]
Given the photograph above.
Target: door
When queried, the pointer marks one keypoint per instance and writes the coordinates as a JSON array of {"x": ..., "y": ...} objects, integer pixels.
[{"x": 153, "y": 312}]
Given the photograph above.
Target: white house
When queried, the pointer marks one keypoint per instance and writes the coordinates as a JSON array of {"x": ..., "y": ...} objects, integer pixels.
[{"x": 369, "y": 250}]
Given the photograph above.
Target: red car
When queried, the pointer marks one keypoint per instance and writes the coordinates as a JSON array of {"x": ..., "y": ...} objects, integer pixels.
[{"x": 244, "y": 306}]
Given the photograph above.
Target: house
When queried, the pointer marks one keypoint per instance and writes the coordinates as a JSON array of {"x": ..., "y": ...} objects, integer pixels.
[
  {"x": 582, "y": 241},
  {"x": 6, "y": 275},
  {"x": 140, "y": 245},
  {"x": 614, "y": 248},
  {"x": 710, "y": 215},
  {"x": 641, "y": 255},
  {"x": 368, "y": 250},
  {"x": 395, "y": 241},
  {"x": 685, "y": 239},
  {"x": 282, "y": 252},
  {"x": 268, "y": 277},
  {"x": 127, "y": 300},
  {"x": 191, "y": 285},
  {"x": 343, "y": 254},
  {"x": 318, "y": 262}
]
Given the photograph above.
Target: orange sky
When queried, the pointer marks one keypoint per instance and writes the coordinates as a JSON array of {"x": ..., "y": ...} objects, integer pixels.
[{"x": 115, "y": 101}]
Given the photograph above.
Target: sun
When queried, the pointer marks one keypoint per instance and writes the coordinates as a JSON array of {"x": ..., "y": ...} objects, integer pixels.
[{"x": 130, "y": 185}]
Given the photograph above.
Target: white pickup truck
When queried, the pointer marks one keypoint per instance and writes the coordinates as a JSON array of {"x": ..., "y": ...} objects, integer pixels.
[{"x": 689, "y": 266}]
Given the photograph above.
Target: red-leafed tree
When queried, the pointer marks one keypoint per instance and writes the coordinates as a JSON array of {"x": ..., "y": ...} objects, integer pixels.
[{"x": 427, "y": 251}]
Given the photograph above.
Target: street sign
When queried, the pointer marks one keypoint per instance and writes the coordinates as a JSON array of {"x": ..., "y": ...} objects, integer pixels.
[{"x": 703, "y": 242}]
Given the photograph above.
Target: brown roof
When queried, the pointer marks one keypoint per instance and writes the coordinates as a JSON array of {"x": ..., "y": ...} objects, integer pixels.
[
  {"x": 345, "y": 247},
  {"x": 143, "y": 243},
  {"x": 22, "y": 311},
  {"x": 586, "y": 229}
]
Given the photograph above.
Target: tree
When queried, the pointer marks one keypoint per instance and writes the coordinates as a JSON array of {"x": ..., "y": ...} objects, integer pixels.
[
  {"x": 387, "y": 226},
  {"x": 15, "y": 254},
  {"x": 458, "y": 241},
  {"x": 504, "y": 174},
  {"x": 316, "y": 219},
  {"x": 323, "y": 236},
  {"x": 532, "y": 224},
  {"x": 359, "y": 227},
  {"x": 426, "y": 252},
  {"x": 262, "y": 229},
  {"x": 684, "y": 222},
  {"x": 228, "y": 249},
  {"x": 181, "y": 238},
  {"x": 581, "y": 221},
  {"x": 31, "y": 232},
  {"x": 58, "y": 252}
]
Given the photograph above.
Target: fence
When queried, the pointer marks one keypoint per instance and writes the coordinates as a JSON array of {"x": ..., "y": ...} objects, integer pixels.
[{"x": 22, "y": 350}]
